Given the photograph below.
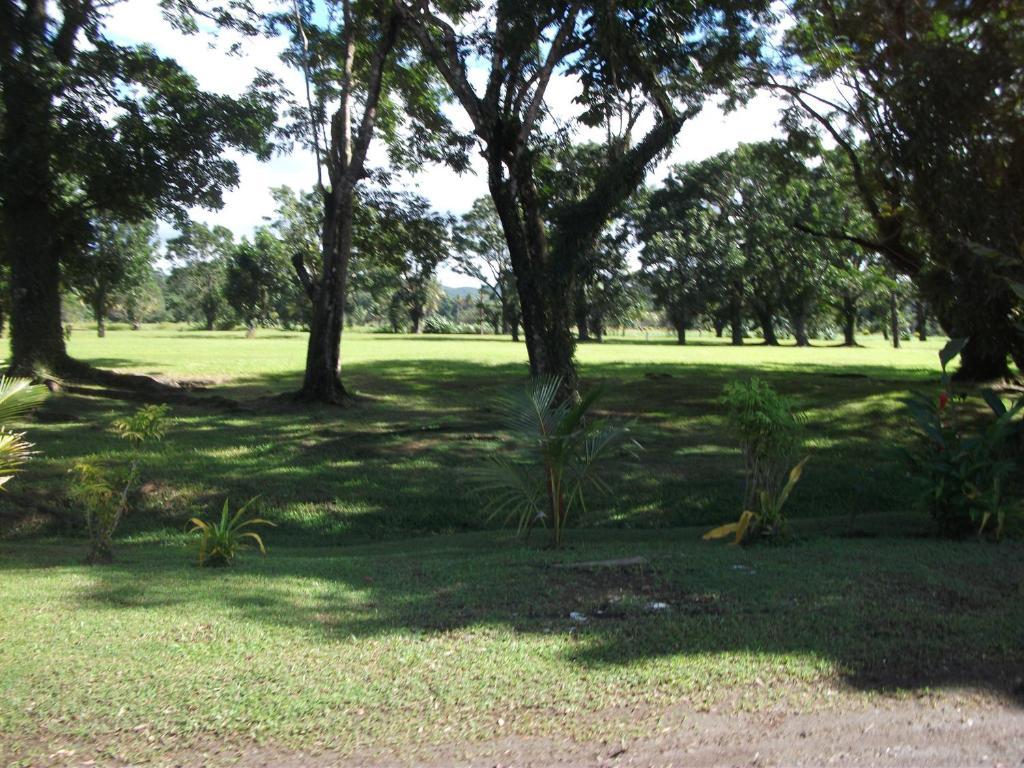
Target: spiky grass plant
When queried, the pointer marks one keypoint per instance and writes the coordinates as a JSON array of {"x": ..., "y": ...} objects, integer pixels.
[{"x": 219, "y": 541}]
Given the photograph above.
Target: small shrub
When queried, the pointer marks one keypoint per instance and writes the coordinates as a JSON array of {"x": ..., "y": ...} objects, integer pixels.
[
  {"x": 768, "y": 521},
  {"x": 770, "y": 433},
  {"x": 219, "y": 541},
  {"x": 964, "y": 466},
  {"x": 439, "y": 324},
  {"x": 556, "y": 446},
  {"x": 104, "y": 492}
]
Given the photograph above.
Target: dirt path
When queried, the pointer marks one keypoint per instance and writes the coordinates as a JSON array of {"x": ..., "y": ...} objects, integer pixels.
[{"x": 931, "y": 733}]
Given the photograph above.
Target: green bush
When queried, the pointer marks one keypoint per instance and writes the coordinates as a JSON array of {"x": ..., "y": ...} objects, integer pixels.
[
  {"x": 770, "y": 432},
  {"x": 439, "y": 324},
  {"x": 964, "y": 464}
]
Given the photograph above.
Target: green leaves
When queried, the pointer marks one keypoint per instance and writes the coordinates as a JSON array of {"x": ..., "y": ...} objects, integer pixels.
[
  {"x": 219, "y": 542},
  {"x": 556, "y": 444},
  {"x": 147, "y": 423},
  {"x": 949, "y": 352}
]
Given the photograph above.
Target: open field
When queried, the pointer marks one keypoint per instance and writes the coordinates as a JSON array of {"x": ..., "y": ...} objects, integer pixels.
[{"x": 394, "y": 622}]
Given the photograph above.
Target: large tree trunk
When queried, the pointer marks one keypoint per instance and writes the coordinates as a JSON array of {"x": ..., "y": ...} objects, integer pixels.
[
  {"x": 33, "y": 242},
  {"x": 799, "y": 320},
  {"x": 415, "y": 317},
  {"x": 849, "y": 316},
  {"x": 680, "y": 326},
  {"x": 922, "y": 320},
  {"x": 544, "y": 288},
  {"x": 582, "y": 323},
  {"x": 322, "y": 380},
  {"x": 211, "y": 318},
  {"x": 766, "y": 319},
  {"x": 101, "y": 324},
  {"x": 719, "y": 327}
]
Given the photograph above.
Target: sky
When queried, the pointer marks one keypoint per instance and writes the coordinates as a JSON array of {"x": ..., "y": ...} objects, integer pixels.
[{"x": 250, "y": 204}]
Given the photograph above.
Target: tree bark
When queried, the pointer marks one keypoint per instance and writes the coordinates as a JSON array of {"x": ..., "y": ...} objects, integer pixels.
[
  {"x": 322, "y": 379},
  {"x": 922, "y": 320},
  {"x": 849, "y": 315},
  {"x": 736, "y": 312},
  {"x": 211, "y": 318},
  {"x": 582, "y": 323},
  {"x": 27, "y": 190},
  {"x": 766, "y": 319},
  {"x": 799, "y": 320},
  {"x": 680, "y": 327},
  {"x": 894, "y": 320}
]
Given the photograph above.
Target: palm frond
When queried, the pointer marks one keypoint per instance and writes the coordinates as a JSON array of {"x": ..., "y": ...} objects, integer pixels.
[{"x": 18, "y": 397}]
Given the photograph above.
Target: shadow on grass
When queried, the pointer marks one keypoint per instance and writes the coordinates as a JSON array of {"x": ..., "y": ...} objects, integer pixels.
[
  {"x": 884, "y": 615},
  {"x": 394, "y": 461}
]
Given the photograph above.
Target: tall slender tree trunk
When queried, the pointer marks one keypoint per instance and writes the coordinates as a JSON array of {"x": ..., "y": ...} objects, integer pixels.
[
  {"x": 101, "y": 323},
  {"x": 894, "y": 320},
  {"x": 922, "y": 320},
  {"x": 719, "y": 327},
  {"x": 736, "y": 312},
  {"x": 322, "y": 379}
]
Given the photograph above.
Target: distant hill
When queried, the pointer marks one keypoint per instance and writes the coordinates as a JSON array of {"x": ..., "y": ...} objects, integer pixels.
[{"x": 460, "y": 291}]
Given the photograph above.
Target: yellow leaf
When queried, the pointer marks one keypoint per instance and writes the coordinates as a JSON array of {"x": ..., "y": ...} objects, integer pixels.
[
  {"x": 720, "y": 532},
  {"x": 743, "y": 525}
]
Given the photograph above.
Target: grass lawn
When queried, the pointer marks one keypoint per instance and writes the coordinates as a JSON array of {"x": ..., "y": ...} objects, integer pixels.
[{"x": 390, "y": 610}]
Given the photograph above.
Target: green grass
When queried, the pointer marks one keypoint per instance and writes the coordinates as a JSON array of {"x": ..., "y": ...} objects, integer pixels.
[
  {"x": 451, "y": 638},
  {"x": 393, "y": 463},
  {"x": 391, "y": 612}
]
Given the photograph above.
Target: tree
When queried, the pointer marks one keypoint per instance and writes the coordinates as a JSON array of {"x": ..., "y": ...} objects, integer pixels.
[
  {"x": 630, "y": 58},
  {"x": 690, "y": 254},
  {"x": 928, "y": 115},
  {"x": 142, "y": 298},
  {"x": 419, "y": 238},
  {"x": 198, "y": 284},
  {"x": 118, "y": 257},
  {"x": 362, "y": 79},
  {"x": 93, "y": 128},
  {"x": 482, "y": 253},
  {"x": 256, "y": 277}
]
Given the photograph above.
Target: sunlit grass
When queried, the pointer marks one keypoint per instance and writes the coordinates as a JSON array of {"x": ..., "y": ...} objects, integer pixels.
[{"x": 389, "y": 610}]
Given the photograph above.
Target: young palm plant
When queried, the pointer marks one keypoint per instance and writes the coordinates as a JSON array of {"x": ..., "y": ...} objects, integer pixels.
[
  {"x": 17, "y": 397},
  {"x": 219, "y": 542},
  {"x": 556, "y": 445}
]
